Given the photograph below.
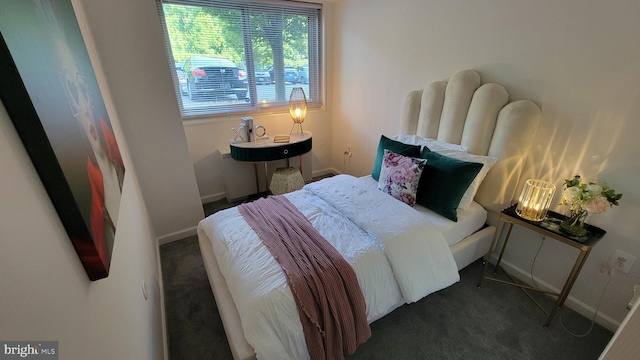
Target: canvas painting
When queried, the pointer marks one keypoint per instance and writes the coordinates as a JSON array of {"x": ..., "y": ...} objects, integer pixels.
[{"x": 51, "y": 94}]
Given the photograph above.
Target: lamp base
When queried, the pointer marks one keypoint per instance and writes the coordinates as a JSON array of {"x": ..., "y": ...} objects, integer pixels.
[
  {"x": 293, "y": 127},
  {"x": 531, "y": 215}
]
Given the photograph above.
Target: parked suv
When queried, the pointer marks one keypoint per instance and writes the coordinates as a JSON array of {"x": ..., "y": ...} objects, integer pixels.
[
  {"x": 290, "y": 74},
  {"x": 214, "y": 77},
  {"x": 263, "y": 77}
]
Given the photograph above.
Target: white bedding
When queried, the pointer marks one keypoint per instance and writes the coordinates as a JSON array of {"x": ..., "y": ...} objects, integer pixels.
[
  {"x": 469, "y": 221},
  {"x": 397, "y": 255}
]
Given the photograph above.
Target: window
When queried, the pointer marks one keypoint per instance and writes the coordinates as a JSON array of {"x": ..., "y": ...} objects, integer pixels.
[{"x": 238, "y": 56}]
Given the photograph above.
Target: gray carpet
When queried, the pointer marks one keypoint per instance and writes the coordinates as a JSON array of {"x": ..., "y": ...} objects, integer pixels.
[{"x": 460, "y": 322}]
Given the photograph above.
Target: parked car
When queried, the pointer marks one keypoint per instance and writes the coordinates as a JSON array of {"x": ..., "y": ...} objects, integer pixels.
[
  {"x": 303, "y": 74},
  {"x": 290, "y": 75},
  {"x": 263, "y": 77},
  {"x": 214, "y": 77}
]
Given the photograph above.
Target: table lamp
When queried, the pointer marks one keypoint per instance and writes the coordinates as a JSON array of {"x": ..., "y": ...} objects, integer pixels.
[
  {"x": 297, "y": 107},
  {"x": 535, "y": 199}
]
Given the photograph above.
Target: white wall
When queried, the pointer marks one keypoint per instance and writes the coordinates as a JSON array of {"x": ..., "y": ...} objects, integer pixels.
[
  {"x": 129, "y": 43},
  {"x": 577, "y": 59},
  {"x": 46, "y": 294}
]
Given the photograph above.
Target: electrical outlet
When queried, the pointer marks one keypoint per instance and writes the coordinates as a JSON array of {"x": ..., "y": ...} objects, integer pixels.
[
  {"x": 347, "y": 152},
  {"x": 621, "y": 261}
]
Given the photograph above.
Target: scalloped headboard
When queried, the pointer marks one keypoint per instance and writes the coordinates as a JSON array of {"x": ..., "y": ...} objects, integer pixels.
[{"x": 463, "y": 111}]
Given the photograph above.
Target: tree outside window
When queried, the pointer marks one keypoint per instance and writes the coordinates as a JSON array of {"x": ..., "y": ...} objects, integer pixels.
[{"x": 241, "y": 56}]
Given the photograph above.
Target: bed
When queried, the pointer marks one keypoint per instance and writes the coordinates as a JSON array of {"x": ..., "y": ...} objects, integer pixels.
[{"x": 399, "y": 253}]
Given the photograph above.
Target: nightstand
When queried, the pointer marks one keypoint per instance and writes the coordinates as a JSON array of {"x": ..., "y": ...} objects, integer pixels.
[
  {"x": 550, "y": 228},
  {"x": 266, "y": 149}
]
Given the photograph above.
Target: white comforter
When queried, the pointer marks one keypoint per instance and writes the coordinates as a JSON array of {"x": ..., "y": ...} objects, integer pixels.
[{"x": 397, "y": 255}]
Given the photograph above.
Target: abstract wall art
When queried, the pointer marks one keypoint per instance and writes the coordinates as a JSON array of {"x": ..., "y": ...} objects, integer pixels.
[{"x": 50, "y": 91}]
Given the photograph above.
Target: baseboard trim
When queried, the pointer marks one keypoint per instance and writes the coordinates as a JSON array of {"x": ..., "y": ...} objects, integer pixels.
[
  {"x": 335, "y": 171},
  {"x": 163, "y": 318},
  {"x": 221, "y": 195},
  {"x": 323, "y": 172},
  {"x": 178, "y": 235},
  {"x": 571, "y": 302},
  {"x": 213, "y": 197}
]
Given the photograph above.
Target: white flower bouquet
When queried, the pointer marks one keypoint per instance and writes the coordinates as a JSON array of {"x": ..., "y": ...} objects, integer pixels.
[{"x": 585, "y": 199}]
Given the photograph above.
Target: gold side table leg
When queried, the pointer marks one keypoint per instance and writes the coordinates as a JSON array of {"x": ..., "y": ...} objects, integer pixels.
[
  {"x": 504, "y": 247},
  {"x": 255, "y": 166},
  {"x": 494, "y": 243},
  {"x": 266, "y": 177},
  {"x": 571, "y": 279}
]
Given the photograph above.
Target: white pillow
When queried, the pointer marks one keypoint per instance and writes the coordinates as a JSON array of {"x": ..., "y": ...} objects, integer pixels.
[
  {"x": 486, "y": 161},
  {"x": 432, "y": 144}
]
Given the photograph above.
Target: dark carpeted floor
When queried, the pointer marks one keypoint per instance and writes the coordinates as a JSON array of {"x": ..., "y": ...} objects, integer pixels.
[{"x": 460, "y": 322}]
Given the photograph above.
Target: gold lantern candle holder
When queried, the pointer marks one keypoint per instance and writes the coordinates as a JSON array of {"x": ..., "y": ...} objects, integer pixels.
[
  {"x": 535, "y": 199},
  {"x": 297, "y": 107}
]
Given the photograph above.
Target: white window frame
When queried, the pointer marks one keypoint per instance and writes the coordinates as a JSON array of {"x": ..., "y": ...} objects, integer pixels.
[{"x": 315, "y": 56}]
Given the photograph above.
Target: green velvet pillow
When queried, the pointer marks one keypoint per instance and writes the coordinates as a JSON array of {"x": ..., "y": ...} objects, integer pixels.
[
  {"x": 394, "y": 146},
  {"x": 443, "y": 182}
]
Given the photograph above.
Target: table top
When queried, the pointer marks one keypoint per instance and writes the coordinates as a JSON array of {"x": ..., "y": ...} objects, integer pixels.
[
  {"x": 551, "y": 224},
  {"x": 265, "y": 149},
  {"x": 267, "y": 141}
]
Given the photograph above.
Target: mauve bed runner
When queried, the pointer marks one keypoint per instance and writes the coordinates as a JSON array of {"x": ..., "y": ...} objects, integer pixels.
[{"x": 330, "y": 303}]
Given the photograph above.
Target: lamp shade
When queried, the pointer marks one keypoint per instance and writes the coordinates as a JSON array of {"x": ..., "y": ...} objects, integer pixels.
[
  {"x": 297, "y": 106},
  {"x": 535, "y": 199}
]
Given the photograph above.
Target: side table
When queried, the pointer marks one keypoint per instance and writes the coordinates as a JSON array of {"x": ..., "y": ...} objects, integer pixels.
[
  {"x": 265, "y": 149},
  {"x": 550, "y": 228}
]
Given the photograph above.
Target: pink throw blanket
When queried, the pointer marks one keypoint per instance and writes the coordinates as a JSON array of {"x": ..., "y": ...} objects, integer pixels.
[{"x": 330, "y": 303}]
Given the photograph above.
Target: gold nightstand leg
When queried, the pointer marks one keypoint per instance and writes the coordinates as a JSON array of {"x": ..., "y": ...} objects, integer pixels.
[
  {"x": 266, "y": 176},
  {"x": 504, "y": 246},
  {"x": 577, "y": 266},
  {"x": 494, "y": 243},
  {"x": 255, "y": 167}
]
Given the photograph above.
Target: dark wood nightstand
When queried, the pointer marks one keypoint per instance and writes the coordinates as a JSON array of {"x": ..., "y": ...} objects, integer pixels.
[
  {"x": 550, "y": 227},
  {"x": 266, "y": 149}
]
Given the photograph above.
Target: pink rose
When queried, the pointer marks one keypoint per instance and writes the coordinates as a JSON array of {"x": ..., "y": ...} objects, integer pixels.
[{"x": 597, "y": 205}]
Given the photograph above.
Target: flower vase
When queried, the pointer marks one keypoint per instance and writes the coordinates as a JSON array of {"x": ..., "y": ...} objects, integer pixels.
[{"x": 574, "y": 224}]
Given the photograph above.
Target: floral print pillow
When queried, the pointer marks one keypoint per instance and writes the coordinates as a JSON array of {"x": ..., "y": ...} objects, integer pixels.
[{"x": 400, "y": 175}]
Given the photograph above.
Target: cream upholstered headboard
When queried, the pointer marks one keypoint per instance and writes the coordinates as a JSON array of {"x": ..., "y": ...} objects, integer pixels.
[{"x": 463, "y": 111}]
